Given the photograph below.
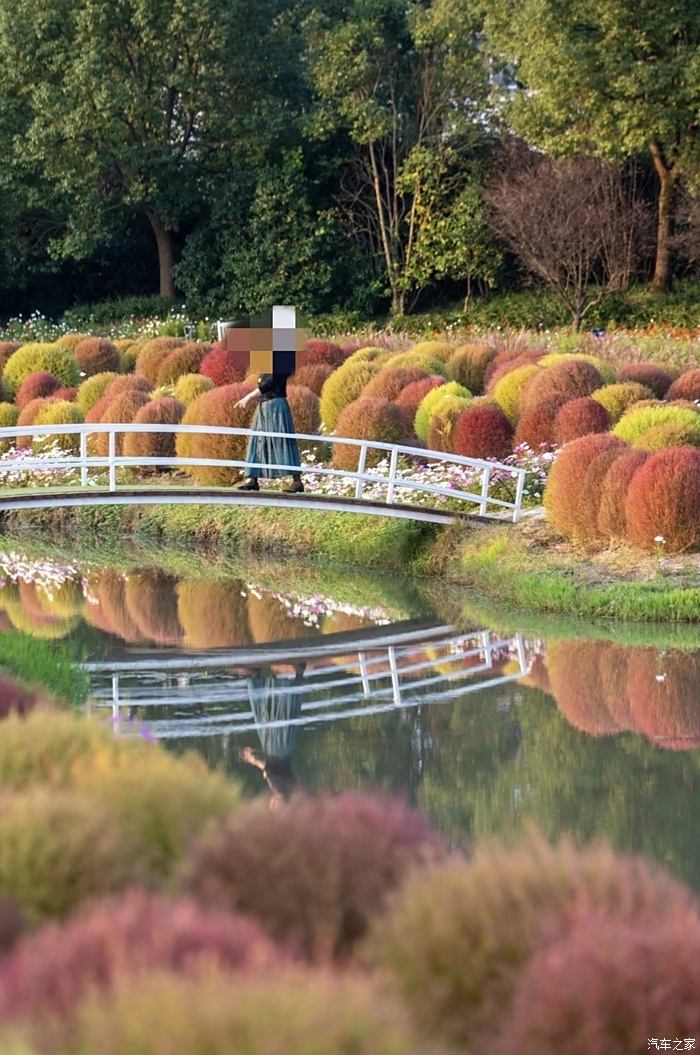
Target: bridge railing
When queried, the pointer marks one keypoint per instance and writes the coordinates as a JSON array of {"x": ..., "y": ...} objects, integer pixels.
[{"x": 391, "y": 480}]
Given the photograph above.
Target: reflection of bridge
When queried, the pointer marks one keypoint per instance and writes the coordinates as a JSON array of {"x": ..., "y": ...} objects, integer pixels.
[
  {"x": 403, "y": 670},
  {"x": 399, "y": 487}
]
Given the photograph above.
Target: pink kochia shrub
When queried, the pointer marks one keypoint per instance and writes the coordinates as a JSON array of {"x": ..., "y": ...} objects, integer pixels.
[
  {"x": 95, "y": 355},
  {"x": 221, "y": 367},
  {"x": 662, "y": 508},
  {"x": 52, "y": 969},
  {"x": 649, "y": 374},
  {"x": 687, "y": 386},
  {"x": 36, "y": 386},
  {"x": 313, "y": 376},
  {"x": 315, "y": 874},
  {"x": 319, "y": 351}
]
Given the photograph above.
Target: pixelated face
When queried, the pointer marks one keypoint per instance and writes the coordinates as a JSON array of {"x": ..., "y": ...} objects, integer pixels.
[{"x": 271, "y": 343}]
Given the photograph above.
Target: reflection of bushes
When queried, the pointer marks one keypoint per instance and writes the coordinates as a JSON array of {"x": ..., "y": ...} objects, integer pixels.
[
  {"x": 151, "y": 603},
  {"x": 269, "y": 621},
  {"x": 316, "y": 874},
  {"x": 213, "y": 614},
  {"x": 663, "y": 694},
  {"x": 575, "y": 679},
  {"x": 111, "y": 594}
]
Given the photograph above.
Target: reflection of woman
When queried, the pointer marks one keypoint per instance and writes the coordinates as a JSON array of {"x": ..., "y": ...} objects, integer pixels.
[
  {"x": 271, "y": 702},
  {"x": 273, "y": 415}
]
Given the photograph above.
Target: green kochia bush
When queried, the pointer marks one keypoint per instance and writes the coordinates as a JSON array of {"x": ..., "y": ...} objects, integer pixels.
[
  {"x": 429, "y": 403},
  {"x": 190, "y": 386},
  {"x": 32, "y": 358},
  {"x": 344, "y": 386},
  {"x": 620, "y": 397},
  {"x": 93, "y": 388},
  {"x": 638, "y": 420},
  {"x": 468, "y": 365},
  {"x": 315, "y": 874},
  {"x": 59, "y": 412}
]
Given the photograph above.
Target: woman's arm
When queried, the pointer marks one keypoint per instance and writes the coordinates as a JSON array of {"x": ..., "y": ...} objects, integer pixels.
[{"x": 248, "y": 399}]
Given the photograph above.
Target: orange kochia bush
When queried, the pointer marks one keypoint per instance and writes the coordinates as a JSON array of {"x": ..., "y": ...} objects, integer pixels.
[
  {"x": 612, "y": 521},
  {"x": 663, "y": 501},
  {"x": 217, "y": 407},
  {"x": 567, "y": 478},
  {"x": 663, "y": 692},
  {"x": 579, "y": 417},
  {"x": 95, "y": 355},
  {"x": 120, "y": 410},
  {"x": 586, "y": 513},
  {"x": 312, "y": 376},
  {"x": 163, "y": 411},
  {"x": 366, "y": 419},
  {"x": 648, "y": 374},
  {"x": 497, "y": 370},
  {"x": 120, "y": 386},
  {"x": 36, "y": 386},
  {"x": 27, "y": 416},
  {"x": 183, "y": 360},
  {"x": 152, "y": 354},
  {"x": 535, "y": 426},
  {"x": 391, "y": 381},
  {"x": 306, "y": 409},
  {"x": 482, "y": 431},
  {"x": 572, "y": 378}
]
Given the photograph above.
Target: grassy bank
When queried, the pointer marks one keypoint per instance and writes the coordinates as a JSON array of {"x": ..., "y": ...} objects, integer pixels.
[{"x": 47, "y": 665}]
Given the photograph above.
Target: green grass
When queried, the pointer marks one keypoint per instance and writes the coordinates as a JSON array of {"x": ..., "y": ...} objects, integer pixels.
[{"x": 52, "y": 665}]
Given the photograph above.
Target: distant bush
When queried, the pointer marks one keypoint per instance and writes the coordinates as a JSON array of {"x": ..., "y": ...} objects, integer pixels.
[
  {"x": 6, "y": 350},
  {"x": 190, "y": 386},
  {"x": 390, "y": 382},
  {"x": 663, "y": 501},
  {"x": 36, "y": 386},
  {"x": 95, "y": 355},
  {"x": 536, "y": 425},
  {"x": 579, "y": 417},
  {"x": 72, "y": 340},
  {"x": 186, "y": 359},
  {"x": 443, "y": 422},
  {"x": 58, "y": 848},
  {"x": 426, "y": 408},
  {"x": 468, "y": 365},
  {"x": 506, "y": 391},
  {"x": 313, "y": 376},
  {"x": 620, "y": 981},
  {"x": 671, "y": 434},
  {"x": 648, "y": 374},
  {"x": 154, "y": 444},
  {"x": 620, "y": 397},
  {"x": 344, "y": 386},
  {"x": 316, "y": 874},
  {"x": 92, "y": 389},
  {"x": 458, "y": 938},
  {"x": 687, "y": 386},
  {"x": 483, "y": 431},
  {"x": 442, "y": 350},
  {"x": 60, "y": 964},
  {"x": 429, "y": 364},
  {"x": 604, "y": 368},
  {"x": 366, "y": 419},
  {"x": 67, "y": 394},
  {"x": 314, "y": 1014},
  {"x": 152, "y": 354},
  {"x": 639, "y": 419},
  {"x": 58, "y": 412},
  {"x": 33, "y": 358},
  {"x": 212, "y": 615},
  {"x": 612, "y": 521},
  {"x": 498, "y": 368},
  {"x": 326, "y": 352},
  {"x": 572, "y": 378},
  {"x": 217, "y": 407},
  {"x": 566, "y": 479}
]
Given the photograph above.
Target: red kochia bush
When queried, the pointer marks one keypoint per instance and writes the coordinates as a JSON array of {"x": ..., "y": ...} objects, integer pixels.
[
  {"x": 120, "y": 410},
  {"x": 164, "y": 411},
  {"x": 572, "y": 378},
  {"x": 50, "y": 971},
  {"x": 27, "y": 416},
  {"x": 315, "y": 874},
  {"x": 566, "y": 479},
  {"x": 663, "y": 499},
  {"x": 306, "y": 409},
  {"x": 36, "y": 386},
  {"x": 612, "y": 522},
  {"x": 94, "y": 355},
  {"x": 366, "y": 419},
  {"x": 313, "y": 376},
  {"x": 663, "y": 692},
  {"x": 579, "y": 417},
  {"x": 183, "y": 360},
  {"x": 608, "y": 986},
  {"x": 120, "y": 385},
  {"x": 498, "y": 369},
  {"x": 586, "y": 513},
  {"x": 390, "y": 382},
  {"x": 649, "y": 374},
  {"x": 318, "y": 351},
  {"x": 67, "y": 395},
  {"x": 483, "y": 431},
  {"x": 221, "y": 367},
  {"x": 535, "y": 427},
  {"x": 410, "y": 398},
  {"x": 687, "y": 386}
]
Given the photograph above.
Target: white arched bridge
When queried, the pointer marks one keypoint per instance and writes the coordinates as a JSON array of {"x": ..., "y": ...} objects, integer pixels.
[{"x": 62, "y": 469}]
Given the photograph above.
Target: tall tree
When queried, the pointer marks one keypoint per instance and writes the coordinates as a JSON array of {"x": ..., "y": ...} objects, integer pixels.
[
  {"x": 128, "y": 101},
  {"x": 607, "y": 77},
  {"x": 402, "y": 81}
]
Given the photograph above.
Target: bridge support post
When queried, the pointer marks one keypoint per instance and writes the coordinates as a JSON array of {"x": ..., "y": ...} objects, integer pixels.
[{"x": 112, "y": 453}]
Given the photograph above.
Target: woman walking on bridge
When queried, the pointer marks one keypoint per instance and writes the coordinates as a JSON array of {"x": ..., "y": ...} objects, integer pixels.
[{"x": 273, "y": 415}]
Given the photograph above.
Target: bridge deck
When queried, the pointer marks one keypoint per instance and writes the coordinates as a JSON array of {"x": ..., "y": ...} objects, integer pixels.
[{"x": 46, "y": 498}]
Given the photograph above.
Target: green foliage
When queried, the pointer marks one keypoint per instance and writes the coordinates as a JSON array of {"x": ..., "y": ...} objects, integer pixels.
[
  {"x": 636, "y": 421},
  {"x": 8, "y": 416},
  {"x": 506, "y": 391},
  {"x": 49, "y": 664},
  {"x": 429, "y": 404},
  {"x": 92, "y": 389},
  {"x": 32, "y": 358},
  {"x": 345, "y": 385},
  {"x": 190, "y": 386},
  {"x": 59, "y": 412},
  {"x": 619, "y": 397},
  {"x": 468, "y": 365}
]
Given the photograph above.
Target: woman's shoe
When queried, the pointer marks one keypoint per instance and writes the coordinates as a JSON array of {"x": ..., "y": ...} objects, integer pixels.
[
  {"x": 295, "y": 489},
  {"x": 249, "y": 485}
]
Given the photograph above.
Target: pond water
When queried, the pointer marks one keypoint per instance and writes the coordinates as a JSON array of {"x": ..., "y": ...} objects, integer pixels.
[{"x": 296, "y": 679}]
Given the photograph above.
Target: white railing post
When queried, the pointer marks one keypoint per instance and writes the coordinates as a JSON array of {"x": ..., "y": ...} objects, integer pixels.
[
  {"x": 83, "y": 459},
  {"x": 112, "y": 453},
  {"x": 486, "y": 647},
  {"x": 361, "y": 468},
  {"x": 366, "y": 688},
  {"x": 392, "y": 475},
  {"x": 395, "y": 683},
  {"x": 486, "y": 479},
  {"x": 519, "y": 488}
]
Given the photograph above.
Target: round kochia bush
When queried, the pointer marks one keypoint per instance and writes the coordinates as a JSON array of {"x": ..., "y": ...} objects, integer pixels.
[
  {"x": 567, "y": 479},
  {"x": 483, "y": 431},
  {"x": 129, "y": 384},
  {"x": 506, "y": 391},
  {"x": 572, "y": 379},
  {"x": 344, "y": 386},
  {"x": 93, "y": 388},
  {"x": 612, "y": 521},
  {"x": 366, "y": 419},
  {"x": 468, "y": 365},
  {"x": 443, "y": 422},
  {"x": 390, "y": 382},
  {"x": 36, "y": 386},
  {"x": 152, "y": 354},
  {"x": 319, "y": 352},
  {"x": 163, "y": 411},
  {"x": 217, "y": 407},
  {"x": 186, "y": 359},
  {"x": 585, "y": 514},
  {"x": 648, "y": 374},
  {"x": 663, "y": 502},
  {"x": 426, "y": 408},
  {"x": 221, "y": 367},
  {"x": 687, "y": 386},
  {"x": 58, "y": 412},
  {"x": 95, "y": 355},
  {"x": 57, "y": 966},
  {"x": 508, "y": 359},
  {"x": 8, "y": 417},
  {"x": 120, "y": 410},
  {"x": 315, "y": 874},
  {"x": 313, "y": 376},
  {"x": 32, "y": 358},
  {"x": 190, "y": 386},
  {"x": 294, "y": 1013},
  {"x": 535, "y": 426},
  {"x": 459, "y": 936},
  {"x": 620, "y": 397},
  {"x": 605, "y": 369},
  {"x": 579, "y": 417},
  {"x": 639, "y": 420}
]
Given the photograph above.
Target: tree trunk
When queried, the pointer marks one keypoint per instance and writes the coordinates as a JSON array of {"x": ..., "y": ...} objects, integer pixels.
[
  {"x": 166, "y": 255},
  {"x": 661, "y": 282}
]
